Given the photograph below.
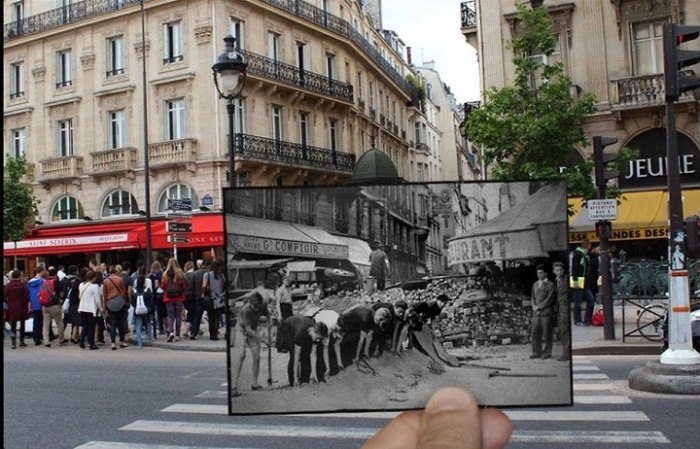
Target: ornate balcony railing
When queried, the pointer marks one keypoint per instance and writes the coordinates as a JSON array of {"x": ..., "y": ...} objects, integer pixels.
[
  {"x": 57, "y": 168},
  {"x": 294, "y": 76},
  {"x": 343, "y": 28},
  {"x": 111, "y": 161},
  {"x": 172, "y": 152},
  {"x": 292, "y": 154},
  {"x": 468, "y": 13},
  {"x": 74, "y": 12},
  {"x": 643, "y": 90}
]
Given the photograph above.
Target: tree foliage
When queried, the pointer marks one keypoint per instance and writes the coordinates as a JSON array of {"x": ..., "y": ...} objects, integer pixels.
[
  {"x": 20, "y": 206},
  {"x": 527, "y": 130}
]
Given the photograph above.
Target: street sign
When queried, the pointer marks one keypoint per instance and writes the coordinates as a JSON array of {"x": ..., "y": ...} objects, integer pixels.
[
  {"x": 176, "y": 226},
  {"x": 602, "y": 209},
  {"x": 178, "y": 239},
  {"x": 181, "y": 204},
  {"x": 182, "y": 216}
]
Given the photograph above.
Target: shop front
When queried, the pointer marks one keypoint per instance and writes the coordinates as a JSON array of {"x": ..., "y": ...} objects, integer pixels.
[
  {"x": 641, "y": 227},
  {"x": 254, "y": 239},
  {"x": 113, "y": 242}
]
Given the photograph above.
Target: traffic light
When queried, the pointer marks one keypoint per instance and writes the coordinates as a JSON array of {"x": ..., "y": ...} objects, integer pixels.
[
  {"x": 601, "y": 158},
  {"x": 675, "y": 59},
  {"x": 603, "y": 229},
  {"x": 692, "y": 235}
]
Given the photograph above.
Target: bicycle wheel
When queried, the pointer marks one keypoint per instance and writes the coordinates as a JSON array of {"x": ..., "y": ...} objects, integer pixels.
[{"x": 650, "y": 322}]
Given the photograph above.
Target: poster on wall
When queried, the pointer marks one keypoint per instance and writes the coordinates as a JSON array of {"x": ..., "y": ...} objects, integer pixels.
[{"x": 394, "y": 291}]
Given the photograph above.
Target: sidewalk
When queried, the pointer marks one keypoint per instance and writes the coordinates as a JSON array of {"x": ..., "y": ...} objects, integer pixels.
[{"x": 588, "y": 340}]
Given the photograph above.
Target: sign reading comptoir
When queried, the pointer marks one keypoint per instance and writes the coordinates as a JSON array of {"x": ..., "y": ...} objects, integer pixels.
[{"x": 263, "y": 245}]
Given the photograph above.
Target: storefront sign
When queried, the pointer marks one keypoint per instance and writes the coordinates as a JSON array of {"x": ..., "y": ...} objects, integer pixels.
[
  {"x": 68, "y": 241},
  {"x": 262, "y": 245},
  {"x": 507, "y": 246},
  {"x": 622, "y": 234}
]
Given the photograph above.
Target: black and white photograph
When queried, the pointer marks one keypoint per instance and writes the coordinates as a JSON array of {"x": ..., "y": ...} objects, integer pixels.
[{"x": 372, "y": 297}]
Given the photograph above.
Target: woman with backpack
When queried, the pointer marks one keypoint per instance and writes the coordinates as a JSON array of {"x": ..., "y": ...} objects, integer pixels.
[
  {"x": 174, "y": 284},
  {"x": 142, "y": 300},
  {"x": 215, "y": 286}
]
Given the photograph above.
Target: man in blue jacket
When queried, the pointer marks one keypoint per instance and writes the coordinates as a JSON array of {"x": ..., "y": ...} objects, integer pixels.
[{"x": 33, "y": 285}]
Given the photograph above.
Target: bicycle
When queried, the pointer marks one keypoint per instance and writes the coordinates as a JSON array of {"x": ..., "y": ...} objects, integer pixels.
[{"x": 651, "y": 321}]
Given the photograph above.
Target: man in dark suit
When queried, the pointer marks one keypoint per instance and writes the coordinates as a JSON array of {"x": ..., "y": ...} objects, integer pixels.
[
  {"x": 564, "y": 323},
  {"x": 542, "y": 315}
]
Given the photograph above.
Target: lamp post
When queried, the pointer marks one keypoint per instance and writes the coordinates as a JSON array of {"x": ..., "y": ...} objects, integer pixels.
[{"x": 230, "y": 70}]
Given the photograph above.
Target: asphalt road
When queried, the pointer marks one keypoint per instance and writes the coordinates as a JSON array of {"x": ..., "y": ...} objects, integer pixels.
[{"x": 66, "y": 398}]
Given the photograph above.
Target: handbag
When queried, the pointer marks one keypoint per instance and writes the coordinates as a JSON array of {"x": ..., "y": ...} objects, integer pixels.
[
  {"x": 578, "y": 283},
  {"x": 116, "y": 304},
  {"x": 141, "y": 308},
  {"x": 65, "y": 307}
]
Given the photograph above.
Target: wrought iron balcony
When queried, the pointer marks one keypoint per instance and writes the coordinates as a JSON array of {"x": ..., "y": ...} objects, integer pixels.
[
  {"x": 343, "y": 28},
  {"x": 468, "y": 13},
  {"x": 271, "y": 151},
  {"x": 72, "y": 13},
  {"x": 61, "y": 168},
  {"x": 294, "y": 76},
  {"x": 646, "y": 90},
  {"x": 119, "y": 160},
  {"x": 172, "y": 152}
]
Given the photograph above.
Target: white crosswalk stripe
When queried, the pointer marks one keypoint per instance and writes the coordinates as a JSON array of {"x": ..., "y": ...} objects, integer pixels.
[{"x": 591, "y": 387}]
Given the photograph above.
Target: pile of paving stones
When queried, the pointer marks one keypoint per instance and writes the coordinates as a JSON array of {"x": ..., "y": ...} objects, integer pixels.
[{"x": 479, "y": 313}]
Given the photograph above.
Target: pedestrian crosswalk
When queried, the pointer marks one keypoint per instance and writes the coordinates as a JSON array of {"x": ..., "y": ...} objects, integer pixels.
[{"x": 601, "y": 414}]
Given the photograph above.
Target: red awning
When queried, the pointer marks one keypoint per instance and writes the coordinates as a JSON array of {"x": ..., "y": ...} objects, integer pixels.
[
  {"x": 207, "y": 231},
  {"x": 73, "y": 243}
]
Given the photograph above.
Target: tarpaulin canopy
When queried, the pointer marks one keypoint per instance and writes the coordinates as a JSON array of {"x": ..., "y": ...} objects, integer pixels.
[{"x": 530, "y": 229}]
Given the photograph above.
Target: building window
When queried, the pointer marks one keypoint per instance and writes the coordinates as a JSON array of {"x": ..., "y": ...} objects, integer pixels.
[
  {"x": 243, "y": 179},
  {"x": 19, "y": 142},
  {"x": 304, "y": 128},
  {"x": 239, "y": 122},
  {"x": 273, "y": 45},
  {"x": 333, "y": 138},
  {"x": 237, "y": 33},
  {"x": 330, "y": 66},
  {"x": 648, "y": 48},
  {"x": 18, "y": 11},
  {"x": 119, "y": 202},
  {"x": 539, "y": 57},
  {"x": 175, "y": 119},
  {"x": 115, "y": 56},
  {"x": 277, "y": 122},
  {"x": 302, "y": 56},
  {"x": 172, "y": 42},
  {"x": 64, "y": 70},
  {"x": 67, "y": 208},
  {"x": 65, "y": 138},
  {"x": 16, "y": 80},
  {"x": 177, "y": 192},
  {"x": 116, "y": 128}
]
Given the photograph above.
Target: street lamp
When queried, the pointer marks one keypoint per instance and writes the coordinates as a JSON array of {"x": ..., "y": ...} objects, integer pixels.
[{"x": 230, "y": 69}]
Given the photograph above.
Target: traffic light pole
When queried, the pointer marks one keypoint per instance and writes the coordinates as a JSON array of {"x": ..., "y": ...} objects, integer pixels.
[{"x": 680, "y": 349}]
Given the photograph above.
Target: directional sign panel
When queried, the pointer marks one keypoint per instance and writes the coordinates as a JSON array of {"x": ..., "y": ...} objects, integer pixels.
[
  {"x": 181, "y": 204},
  {"x": 178, "y": 239},
  {"x": 602, "y": 209},
  {"x": 176, "y": 226}
]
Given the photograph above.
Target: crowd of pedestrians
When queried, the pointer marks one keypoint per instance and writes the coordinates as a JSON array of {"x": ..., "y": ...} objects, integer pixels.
[{"x": 81, "y": 305}]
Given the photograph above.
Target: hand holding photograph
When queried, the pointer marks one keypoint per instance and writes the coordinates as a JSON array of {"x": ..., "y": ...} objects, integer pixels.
[{"x": 371, "y": 298}]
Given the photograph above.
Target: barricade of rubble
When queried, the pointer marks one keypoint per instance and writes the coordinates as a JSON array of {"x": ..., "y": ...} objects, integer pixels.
[{"x": 479, "y": 313}]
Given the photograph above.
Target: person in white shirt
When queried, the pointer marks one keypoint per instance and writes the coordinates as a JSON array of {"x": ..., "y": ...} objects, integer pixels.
[{"x": 89, "y": 308}]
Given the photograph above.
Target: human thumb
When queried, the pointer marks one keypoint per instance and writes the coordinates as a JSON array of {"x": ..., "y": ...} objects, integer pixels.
[{"x": 450, "y": 421}]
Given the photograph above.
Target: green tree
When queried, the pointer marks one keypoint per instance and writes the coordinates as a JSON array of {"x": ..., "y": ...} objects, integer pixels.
[
  {"x": 20, "y": 206},
  {"x": 527, "y": 130}
]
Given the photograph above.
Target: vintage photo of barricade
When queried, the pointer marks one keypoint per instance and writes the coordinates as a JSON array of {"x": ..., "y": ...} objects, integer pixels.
[{"x": 369, "y": 298}]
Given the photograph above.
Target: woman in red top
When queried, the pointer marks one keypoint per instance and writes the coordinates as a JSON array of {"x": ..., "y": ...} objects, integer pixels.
[
  {"x": 173, "y": 284},
  {"x": 17, "y": 299}
]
